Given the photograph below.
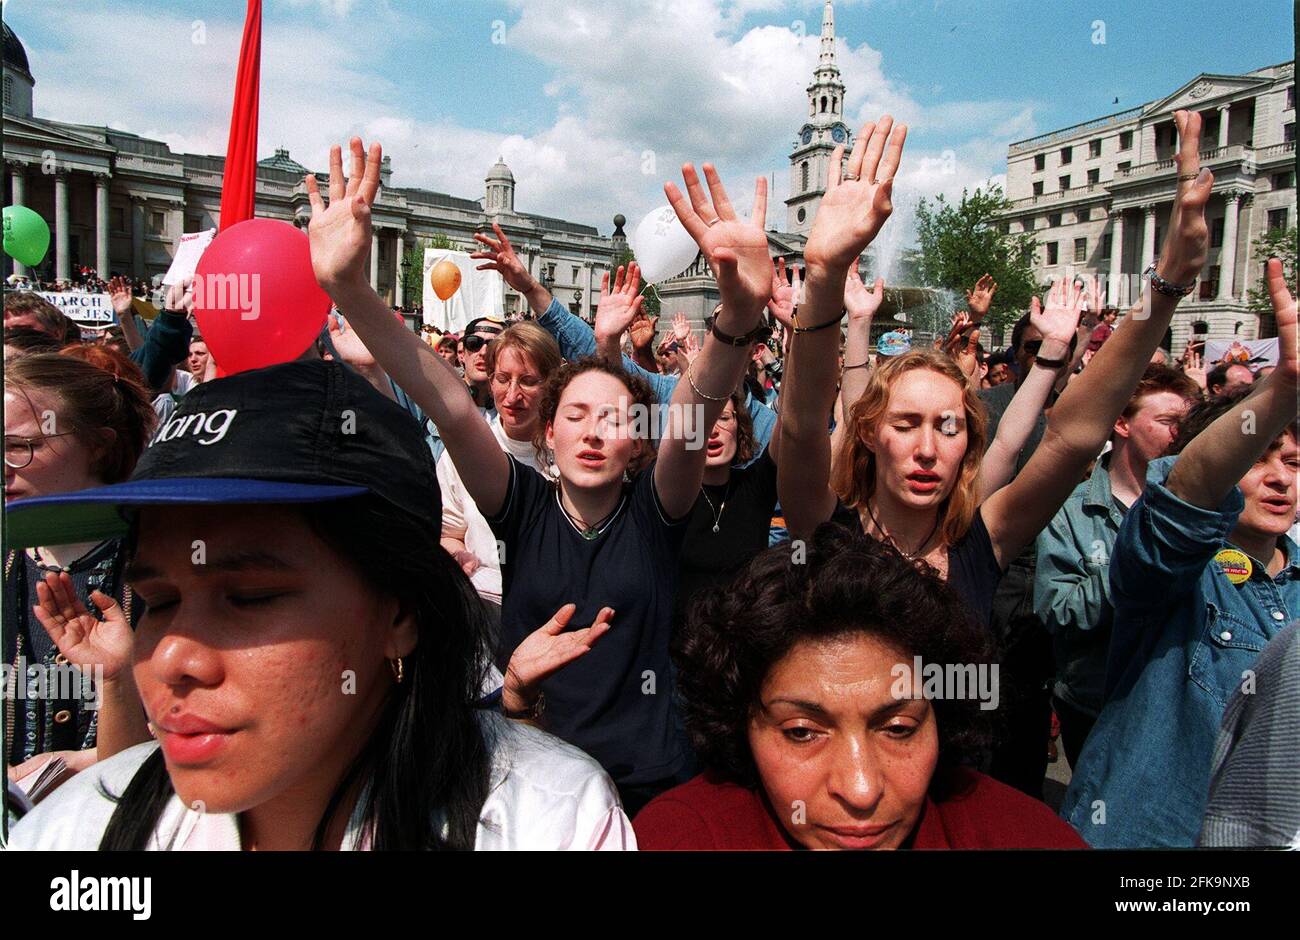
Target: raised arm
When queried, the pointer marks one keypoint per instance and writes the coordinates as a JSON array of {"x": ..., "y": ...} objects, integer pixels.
[
  {"x": 1217, "y": 458},
  {"x": 1057, "y": 323},
  {"x": 850, "y": 214},
  {"x": 862, "y": 303},
  {"x": 1083, "y": 416},
  {"x": 736, "y": 250},
  {"x": 616, "y": 310},
  {"x": 499, "y": 255},
  {"x": 340, "y": 243}
]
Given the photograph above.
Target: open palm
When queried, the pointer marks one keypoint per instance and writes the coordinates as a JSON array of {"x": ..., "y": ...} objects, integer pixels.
[
  {"x": 1284, "y": 309},
  {"x": 546, "y": 650},
  {"x": 619, "y": 307},
  {"x": 341, "y": 234},
  {"x": 83, "y": 639}
]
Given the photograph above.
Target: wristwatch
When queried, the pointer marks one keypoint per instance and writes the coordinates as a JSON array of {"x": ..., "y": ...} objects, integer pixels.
[
  {"x": 1168, "y": 288},
  {"x": 758, "y": 334},
  {"x": 532, "y": 713}
]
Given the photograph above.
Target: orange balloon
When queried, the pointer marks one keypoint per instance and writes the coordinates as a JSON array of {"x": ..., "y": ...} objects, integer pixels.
[{"x": 445, "y": 277}]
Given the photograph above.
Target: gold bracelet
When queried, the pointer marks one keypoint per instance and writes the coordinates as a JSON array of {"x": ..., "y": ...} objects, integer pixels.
[{"x": 690, "y": 378}]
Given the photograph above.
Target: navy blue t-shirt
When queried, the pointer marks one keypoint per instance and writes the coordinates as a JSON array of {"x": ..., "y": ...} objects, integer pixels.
[{"x": 616, "y": 701}]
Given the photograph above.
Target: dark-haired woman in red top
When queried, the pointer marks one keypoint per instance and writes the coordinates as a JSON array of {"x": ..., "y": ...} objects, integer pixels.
[{"x": 803, "y": 697}]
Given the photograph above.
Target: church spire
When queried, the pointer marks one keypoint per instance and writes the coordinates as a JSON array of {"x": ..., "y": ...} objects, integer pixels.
[{"x": 827, "y": 60}]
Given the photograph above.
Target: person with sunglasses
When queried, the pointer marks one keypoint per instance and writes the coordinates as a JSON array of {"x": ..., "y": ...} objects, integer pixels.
[{"x": 474, "y": 360}]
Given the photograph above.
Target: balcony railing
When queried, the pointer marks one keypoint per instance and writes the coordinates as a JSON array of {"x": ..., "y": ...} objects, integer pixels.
[
  {"x": 1232, "y": 154},
  {"x": 1275, "y": 150},
  {"x": 1061, "y": 195},
  {"x": 1065, "y": 133}
]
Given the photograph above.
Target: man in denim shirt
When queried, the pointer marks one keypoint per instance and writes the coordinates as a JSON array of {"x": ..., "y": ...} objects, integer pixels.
[
  {"x": 577, "y": 339},
  {"x": 1071, "y": 578},
  {"x": 1202, "y": 577}
]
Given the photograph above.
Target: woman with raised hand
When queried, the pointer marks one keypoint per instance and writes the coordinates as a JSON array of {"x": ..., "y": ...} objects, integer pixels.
[
  {"x": 910, "y": 469},
  {"x": 595, "y": 538}
]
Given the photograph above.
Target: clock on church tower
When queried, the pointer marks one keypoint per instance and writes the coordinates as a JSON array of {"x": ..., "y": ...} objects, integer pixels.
[{"x": 822, "y": 132}]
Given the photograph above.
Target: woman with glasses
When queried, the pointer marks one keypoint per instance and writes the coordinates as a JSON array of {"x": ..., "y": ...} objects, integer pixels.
[{"x": 73, "y": 420}]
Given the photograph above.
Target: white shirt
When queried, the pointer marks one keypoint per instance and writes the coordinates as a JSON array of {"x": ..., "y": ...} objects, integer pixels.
[
  {"x": 544, "y": 795},
  {"x": 460, "y": 513}
]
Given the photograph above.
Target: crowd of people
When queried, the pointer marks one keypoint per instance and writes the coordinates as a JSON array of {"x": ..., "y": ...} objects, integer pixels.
[{"x": 554, "y": 584}]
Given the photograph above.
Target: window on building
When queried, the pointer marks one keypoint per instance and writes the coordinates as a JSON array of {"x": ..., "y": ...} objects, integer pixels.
[
  {"x": 1067, "y": 154},
  {"x": 575, "y": 276},
  {"x": 1053, "y": 252},
  {"x": 1080, "y": 250},
  {"x": 1216, "y": 233},
  {"x": 1288, "y": 132},
  {"x": 1200, "y": 327},
  {"x": 1094, "y": 176},
  {"x": 157, "y": 223},
  {"x": 1126, "y": 140},
  {"x": 1107, "y": 244},
  {"x": 118, "y": 215},
  {"x": 1210, "y": 284},
  {"x": 1276, "y": 219},
  {"x": 550, "y": 272},
  {"x": 1290, "y": 98},
  {"x": 193, "y": 223},
  {"x": 1040, "y": 161},
  {"x": 1038, "y": 187},
  {"x": 9, "y": 95},
  {"x": 823, "y": 104},
  {"x": 1094, "y": 148},
  {"x": 1065, "y": 183},
  {"x": 1284, "y": 180},
  {"x": 1005, "y": 228},
  {"x": 1126, "y": 164},
  {"x": 803, "y": 175},
  {"x": 1054, "y": 220}
]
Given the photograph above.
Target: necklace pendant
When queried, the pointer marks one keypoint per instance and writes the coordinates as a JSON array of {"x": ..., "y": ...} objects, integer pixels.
[
  {"x": 590, "y": 534},
  {"x": 715, "y": 527}
]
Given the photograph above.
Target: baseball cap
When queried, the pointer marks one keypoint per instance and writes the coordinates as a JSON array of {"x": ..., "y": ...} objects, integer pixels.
[
  {"x": 487, "y": 324},
  {"x": 303, "y": 432}
]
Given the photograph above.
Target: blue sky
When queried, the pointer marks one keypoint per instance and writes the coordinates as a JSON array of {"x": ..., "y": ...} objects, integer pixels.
[{"x": 594, "y": 104}]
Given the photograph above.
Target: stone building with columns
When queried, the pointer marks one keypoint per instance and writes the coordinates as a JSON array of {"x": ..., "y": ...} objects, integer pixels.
[
  {"x": 1097, "y": 196},
  {"x": 117, "y": 202}
]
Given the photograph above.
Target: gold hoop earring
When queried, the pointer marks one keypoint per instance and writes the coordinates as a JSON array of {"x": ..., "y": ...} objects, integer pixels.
[{"x": 396, "y": 665}]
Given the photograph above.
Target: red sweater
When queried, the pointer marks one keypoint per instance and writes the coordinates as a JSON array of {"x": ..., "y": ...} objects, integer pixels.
[{"x": 980, "y": 813}]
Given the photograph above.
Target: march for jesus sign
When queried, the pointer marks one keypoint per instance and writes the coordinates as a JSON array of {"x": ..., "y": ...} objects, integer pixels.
[{"x": 81, "y": 307}]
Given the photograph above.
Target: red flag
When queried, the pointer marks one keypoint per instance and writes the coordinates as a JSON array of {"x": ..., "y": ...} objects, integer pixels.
[{"x": 239, "y": 187}]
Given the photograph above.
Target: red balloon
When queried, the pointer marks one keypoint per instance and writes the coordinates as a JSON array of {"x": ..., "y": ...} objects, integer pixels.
[{"x": 256, "y": 299}]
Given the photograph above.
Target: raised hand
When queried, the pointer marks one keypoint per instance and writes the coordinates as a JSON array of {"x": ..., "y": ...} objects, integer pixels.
[
  {"x": 1187, "y": 246},
  {"x": 1284, "y": 310},
  {"x": 545, "y": 651},
  {"x": 967, "y": 354},
  {"x": 1060, "y": 317},
  {"x": 681, "y": 327},
  {"x": 856, "y": 205},
  {"x": 500, "y": 257},
  {"x": 348, "y": 345},
  {"x": 861, "y": 301},
  {"x": 84, "y": 640},
  {"x": 642, "y": 330},
  {"x": 1193, "y": 367},
  {"x": 620, "y": 306},
  {"x": 119, "y": 294},
  {"x": 736, "y": 249},
  {"x": 785, "y": 294},
  {"x": 340, "y": 234},
  {"x": 980, "y": 299}
]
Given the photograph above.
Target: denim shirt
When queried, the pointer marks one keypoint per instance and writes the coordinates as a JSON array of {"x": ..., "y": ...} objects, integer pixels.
[
  {"x": 1184, "y": 639},
  {"x": 1072, "y": 588},
  {"x": 577, "y": 339}
]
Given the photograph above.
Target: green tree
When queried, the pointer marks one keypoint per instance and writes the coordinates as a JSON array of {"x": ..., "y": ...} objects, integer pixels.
[
  {"x": 651, "y": 304},
  {"x": 960, "y": 243},
  {"x": 1276, "y": 243},
  {"x": 413, "y": 267}
]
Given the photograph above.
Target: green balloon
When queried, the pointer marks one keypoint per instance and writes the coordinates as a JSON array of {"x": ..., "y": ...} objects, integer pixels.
[{"x": 27, "y": 236}]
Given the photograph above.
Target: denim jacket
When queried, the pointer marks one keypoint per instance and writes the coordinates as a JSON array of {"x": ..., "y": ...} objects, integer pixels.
[
  {"x": 577, "y": 339},
  {"x": 1072, "y": 588},
  {"x": 1184, "y": 639}
]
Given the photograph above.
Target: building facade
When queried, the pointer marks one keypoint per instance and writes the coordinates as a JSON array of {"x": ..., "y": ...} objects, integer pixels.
[
  {"x": 1097, "y": 196},
  {"x": 117, "y": 202}
]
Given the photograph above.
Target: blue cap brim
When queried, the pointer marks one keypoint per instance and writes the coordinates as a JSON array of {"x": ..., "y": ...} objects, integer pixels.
[{"x": 97, "y": 514}]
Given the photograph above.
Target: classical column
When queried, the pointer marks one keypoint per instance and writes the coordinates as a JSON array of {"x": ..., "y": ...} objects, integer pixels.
[
  {"x": 398, "y": 250},
  {"x": 1148, "y": 236},
  {"x": 101, "y": 224},
  {"x": 62, "y": 267},
  {"x": 18, "y": 183},
  {"x": 1228, "y": 253},
  {"x": 1224, "y": 110},
  {"x": 374, "y": 260},
  {"x": 137, "y": 236},
  {"x": 1116, "y": 259}
]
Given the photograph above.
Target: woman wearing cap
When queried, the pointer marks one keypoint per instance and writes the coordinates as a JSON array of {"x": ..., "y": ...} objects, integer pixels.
[
  {"x": 800, "y": 690},
  {"x": 308, "y": 657},
  {"x": 73, "y": 421},
  {"x": 591, "y": 540},
  {"x": 909, "y": 472}
]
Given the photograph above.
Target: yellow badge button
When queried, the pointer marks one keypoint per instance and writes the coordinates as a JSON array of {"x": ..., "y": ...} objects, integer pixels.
[{"x": 1236, "y": 565}]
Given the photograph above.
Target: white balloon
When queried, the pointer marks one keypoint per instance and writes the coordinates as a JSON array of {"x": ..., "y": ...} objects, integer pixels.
[{"x": 662, "y": 246}]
